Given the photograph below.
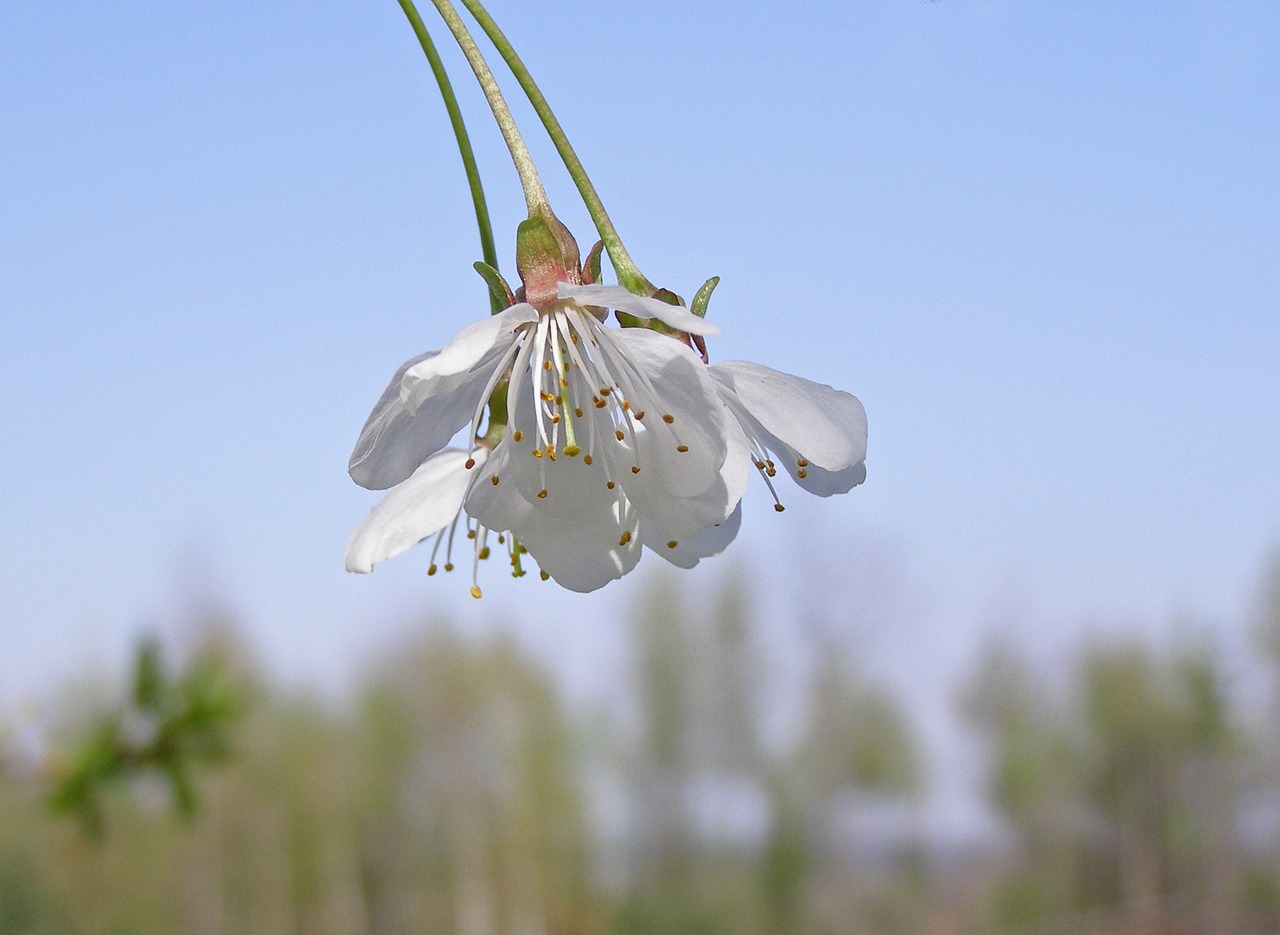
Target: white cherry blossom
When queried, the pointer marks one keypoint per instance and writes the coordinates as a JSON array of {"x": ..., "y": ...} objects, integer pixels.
[{"x": 615, "y": 438}]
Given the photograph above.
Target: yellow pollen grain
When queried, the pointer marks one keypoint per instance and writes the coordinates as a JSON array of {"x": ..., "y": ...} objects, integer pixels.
[
  {"x": 671, "y": 543},
  {"x": 635, "y": 469},
  {"x": 494, "y": 480},
  {"x": 431, "y": 570},
  {"x": 586, "y": 459},
  {"x": 475, "y": 591},
  {"x": 542, "y": 494},
  {"x": 517, "y": 435},
  {"x": 618, "y": 434},
  {"x": 625, "y": 538},
  {"x": 571, "y": 450},
  {"x": 802, "y": 473},
  {"x": 779, "y": 507},
  {"x": 668, "y": 418},
  {"x": 484, "y": 553},
  {"x": 471, "y": 462},
  {"x": 682, "y": 448},
  {"x": 543, "y": 575}
]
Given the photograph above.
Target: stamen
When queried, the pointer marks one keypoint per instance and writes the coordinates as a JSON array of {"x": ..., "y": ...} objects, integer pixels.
[
  {"x": 609, "y": 484},
  {"x": 801, "y": 462},
  {"x": 625, "y": 538},
  {"x": 517, "y": 436},
  {"x": 640, "y": 415},
  {"x": 635, "y": 469},
  {"x": 682, "y": 448},
  {"x": 618, "y": 434},
  {"x": 668, "y": 418},
  {"x": 542, "y": 494},
  {"x": 586, "y": 459},
  {"x": 779, "y": 507},
  {"x": 671, "y": 543},
  {"x": 494, "y": 480},
  {"x": 471, "y": 462},
  {"x": 802, "y": 473},
  {"x": 475, "y": 591},
  {"x": 484, "y": 553},
  {"x": 544, "y": 575}
]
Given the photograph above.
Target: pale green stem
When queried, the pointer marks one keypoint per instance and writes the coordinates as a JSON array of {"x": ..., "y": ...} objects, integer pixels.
[
  {"x": 628, "y": 273},
  {"x": 534, "y": 196},
  {"x": 464, "y": 141}
]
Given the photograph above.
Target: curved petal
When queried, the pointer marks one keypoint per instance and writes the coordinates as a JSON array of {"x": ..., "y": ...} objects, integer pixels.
[
  {"x": 466, "y": 348},
  {"x": 395, "y": 441},
  {"x": 583, "y": 548},
  {"x": 687, "y": 552},
  {"x": 677, "y": 316},
  {"x": 424, "y": 504},
  {"x": 809, "y": 425},
  {"x": 684, "y": 432}
]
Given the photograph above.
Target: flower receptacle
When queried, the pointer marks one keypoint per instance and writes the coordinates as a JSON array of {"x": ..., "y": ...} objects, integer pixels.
[{"x": 546, "y": 254}]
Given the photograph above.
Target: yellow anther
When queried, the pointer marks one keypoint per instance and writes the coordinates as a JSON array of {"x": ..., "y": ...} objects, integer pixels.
[
  {"x": 517, "y": 435},
  {"x": 551, "y": 453},
  {"x": 501, "y": 539},
  {"x": 572, "y": 451},
  {"x": 801, "y": 462},
  {"x": 484, "y": 553},
  {"x": 626, "y": 404},
  {"x": 537, "y": 452},
  {"x": 671, "y": 543},
  {"x": 546, "y": 365},
  {"x": 586, "y": 459},
  {"x": 640, "y": 415},
  {"x": 448, "y": 566},
  {"x": 605, "y": 391},
  {"x": 494, "y": 480},
  {"x": 682, "y": 448},
  {"x": 802, "y": 473},
  {"x": 471, "y": 533},
  {"x": 668, "y": 418},
  {"x": 618, "y": 434},
  {"x": 577, "y": 412},
  {"x": 625, "y": 538},
  {"x": 609, "y": 484},
  {"x": 779, "y": 507},
  {"x": 555, "y": 419},
  {"x": 431, "y": 570},
  {"x": 771, "y": 471},
  {"x": 543, "y": 575},
  {"x": 471, "y": 462},
  {"x": 542, "y": 494},
  {"x": 597, "y": 402},
  {"x": 475, "y": 591},
  {"x": 635, "y": 469}
]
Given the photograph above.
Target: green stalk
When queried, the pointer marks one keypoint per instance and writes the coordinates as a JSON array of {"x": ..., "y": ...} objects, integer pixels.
[
  {"x": 534, "y": 196},
  {"x": 628, "y": 273},
  {"x": 464, "y": 141}
]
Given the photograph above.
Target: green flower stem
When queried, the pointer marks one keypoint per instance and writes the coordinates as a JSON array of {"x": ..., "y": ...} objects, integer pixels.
[
  {"x": 460, "y": 134},
  {"x": 534, "y": 196},
  {"x": 628, "y": 273}
]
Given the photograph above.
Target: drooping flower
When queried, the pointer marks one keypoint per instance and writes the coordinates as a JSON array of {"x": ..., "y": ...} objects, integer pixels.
[{"x": 612, "y": 439}]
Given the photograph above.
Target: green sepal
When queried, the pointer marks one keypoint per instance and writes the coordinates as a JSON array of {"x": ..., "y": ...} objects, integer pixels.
[
  {"x": 703, "y": 296},
  {"x": 591, "y": 267},
  {"x": 662, "y": 295},
  {"x": 499, "y": 292}
]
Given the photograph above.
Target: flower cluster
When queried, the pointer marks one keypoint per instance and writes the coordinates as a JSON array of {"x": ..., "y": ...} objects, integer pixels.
[{"x": 614, "y": 439}]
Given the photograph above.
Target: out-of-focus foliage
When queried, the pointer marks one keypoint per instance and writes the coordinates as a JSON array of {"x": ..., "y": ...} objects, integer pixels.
[
  {"x": 714, "y": 790},
  {"x": 169, "y": 728}
]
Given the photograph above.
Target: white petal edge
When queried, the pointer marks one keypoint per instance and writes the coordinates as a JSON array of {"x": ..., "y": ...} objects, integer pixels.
[
  {"x": 413, "y": 510},
  {"x": 470, "y": 345},
  {"x": 828, "y": 427},
  {"x": 617, "y": 297}
]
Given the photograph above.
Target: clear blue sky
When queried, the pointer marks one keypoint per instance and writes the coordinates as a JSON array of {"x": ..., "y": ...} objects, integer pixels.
[{"x": 1040, "y": 241}]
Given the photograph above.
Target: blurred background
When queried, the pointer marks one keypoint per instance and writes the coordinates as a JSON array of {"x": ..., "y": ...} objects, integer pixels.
[{"x": 1023, "y": 680}]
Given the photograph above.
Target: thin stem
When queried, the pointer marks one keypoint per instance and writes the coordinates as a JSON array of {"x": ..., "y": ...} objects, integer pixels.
[
  {"x": 534, "y": 196},
  {"x": 464, "y": 141},
  {"x": 628, "y": 273}
]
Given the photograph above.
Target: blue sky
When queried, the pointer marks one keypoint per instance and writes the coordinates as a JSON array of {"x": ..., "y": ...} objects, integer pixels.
[{"x": 1038, "y": 240}]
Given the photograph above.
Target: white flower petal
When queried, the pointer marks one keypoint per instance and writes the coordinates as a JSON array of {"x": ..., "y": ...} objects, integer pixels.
[
  {"x": 585, "y": 552},
  {"x": 682, "y": 410},
  {"x": 475, "y": 352},
  {"x": 395, "y": 441},
  {"x": 414, "y": 509},
  {"x": 687, "y": 552},
  {"x": 616, "y": 297},
  {"x": 497, "y": 506},
  {"x": 799, "y": 420}
]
